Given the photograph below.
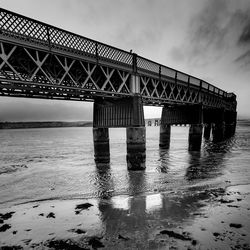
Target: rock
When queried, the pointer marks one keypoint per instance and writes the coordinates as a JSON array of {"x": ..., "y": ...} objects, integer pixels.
[
  {"x": 63, "y": 244},
  {"x": 216, "y": 234},
  {"x": 51, "y": 215},
  {"x": 95, "y": 242},
  {"x": 226, "y": 201},
  {"x": 81, "y": 207},
  {"x": 14, "y": 232},
  {"x": 122, "y": 237},
  {"x": 42, "y": 214},
  {"x": 1, "y": 221},
  {"x": 11, "y": 247},
  {"x": 232, "y": 206},
  {"x": 6, "y": 216},
  {"x": 194, "y": 242},
  {"x": 175, "y": 235},
  {"x": 4, "y": 227},
  {"x": 77, "y": 231},
  {"x": 236, "y": 225}
]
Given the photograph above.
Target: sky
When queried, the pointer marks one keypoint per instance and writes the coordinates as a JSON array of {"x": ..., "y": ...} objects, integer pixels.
[{"x": 209, "y": 39}]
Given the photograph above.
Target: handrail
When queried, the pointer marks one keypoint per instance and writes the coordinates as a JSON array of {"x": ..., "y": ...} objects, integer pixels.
[{"x": 53, "y": 37}]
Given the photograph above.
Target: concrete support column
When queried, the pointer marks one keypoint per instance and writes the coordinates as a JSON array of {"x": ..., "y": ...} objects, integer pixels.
[
  {"x": 101, "y": 145},
  {"x": 195, "y": 137},
  {"x": 165, "y": 133},
  {"x": 207, "y": 131},
  {"x": 219, "y": 131},
  {"x": 136, "y": 148},
  {"x": 229, "y": 130}
]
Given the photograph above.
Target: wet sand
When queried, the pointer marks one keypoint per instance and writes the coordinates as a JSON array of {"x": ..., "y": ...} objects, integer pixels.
[{"x": 213, "y": 218}]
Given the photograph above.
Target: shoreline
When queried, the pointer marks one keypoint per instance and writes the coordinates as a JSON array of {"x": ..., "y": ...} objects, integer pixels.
[{"x": 211, "y": 218}]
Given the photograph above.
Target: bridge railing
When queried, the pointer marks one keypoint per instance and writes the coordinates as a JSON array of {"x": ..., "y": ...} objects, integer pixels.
[{"x": 20, "y": 27}]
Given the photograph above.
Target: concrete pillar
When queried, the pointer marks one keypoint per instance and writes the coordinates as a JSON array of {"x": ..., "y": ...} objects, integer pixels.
[
  {"x": 101, "y": 145},
  {"x": 207, "y": 131},
  {"x": 229, "y": 130},
  {"x": 195, "y": 137},
  {"x": 165, "y": 133},
  {"x": 136, "y": 148},
  {"x": 218, "y": 131}
]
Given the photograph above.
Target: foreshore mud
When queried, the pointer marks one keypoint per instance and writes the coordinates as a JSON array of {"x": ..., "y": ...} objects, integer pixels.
[{"x": 208, "y": 218}]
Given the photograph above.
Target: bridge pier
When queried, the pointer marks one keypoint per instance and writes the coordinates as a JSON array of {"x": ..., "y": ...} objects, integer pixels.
[
  {"x": 136, "y": 148},
  {"x": 195, "y": 137},
  {"x": 101, "y": 145},
  {"x": 218, "y": 131},
  {"x": 230, "y": 123},
  {"x": 230, "y": 129},
  {"x": 207, "y": 130},
  {"x": 192, "y": 114},
  {"x": 165, "y": 134},
  {"x": 122, "y": 112}
]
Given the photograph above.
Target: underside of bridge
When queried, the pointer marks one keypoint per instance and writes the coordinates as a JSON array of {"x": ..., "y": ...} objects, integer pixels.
[{"x": 38, "y": 60}]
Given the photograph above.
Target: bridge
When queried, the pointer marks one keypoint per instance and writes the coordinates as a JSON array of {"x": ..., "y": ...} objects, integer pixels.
[{"x": 38, "y": 60}]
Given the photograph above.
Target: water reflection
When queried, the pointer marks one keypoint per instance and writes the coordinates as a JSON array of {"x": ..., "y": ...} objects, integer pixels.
[
  {"x": 104, "y": 181},
  {"x": 164, "y": 160},
  {"x": 137, "y": 182},
  {"x": 209, "y": 162},
  {"x": 141, "y": 218}
]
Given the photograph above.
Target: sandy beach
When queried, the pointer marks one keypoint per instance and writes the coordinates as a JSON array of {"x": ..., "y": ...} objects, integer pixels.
[{"x": 215, "y": 218}]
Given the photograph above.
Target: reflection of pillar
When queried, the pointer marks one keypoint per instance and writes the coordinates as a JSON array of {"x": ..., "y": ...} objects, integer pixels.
[
  {"x": 136, "y": 148},
  {"x": 195, "y": 137},
  {"x": 101, "y": 145},
  {"x": 207, "y": 131},
  {"x": 165, "y": 131}
]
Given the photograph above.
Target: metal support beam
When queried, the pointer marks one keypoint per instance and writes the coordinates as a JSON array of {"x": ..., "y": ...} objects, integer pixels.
[
  {"x": 191, "y": 114},
  {"x": 122, "y": 112}
]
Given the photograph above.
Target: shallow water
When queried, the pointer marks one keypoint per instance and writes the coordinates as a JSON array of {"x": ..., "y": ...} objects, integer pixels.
[
  {"x": 58, "y": 163},
  {"x": 183, "y": 200}
]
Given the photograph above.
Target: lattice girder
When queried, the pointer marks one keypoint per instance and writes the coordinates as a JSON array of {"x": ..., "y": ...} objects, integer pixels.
[{"x": 39, "y": 67}]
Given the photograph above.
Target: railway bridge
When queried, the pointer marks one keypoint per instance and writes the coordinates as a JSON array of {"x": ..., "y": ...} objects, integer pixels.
[{"x": 38, "y": 60}]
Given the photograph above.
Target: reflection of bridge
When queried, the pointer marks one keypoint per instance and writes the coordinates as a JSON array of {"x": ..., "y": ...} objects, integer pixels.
[{"x": 41, "y": 61}]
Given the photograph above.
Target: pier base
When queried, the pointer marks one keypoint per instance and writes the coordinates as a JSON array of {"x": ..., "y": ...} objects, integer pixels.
[
  {"x": 101, "y": 145},
  {"x": 165, "y": 133},
  {"x": 136, "y": 148},
  {"x": 219, "y": 132},
  {"x": 229, "y": 130},
  {"x": 207, "y": 131},
  {"x": 195, "y": 137}
]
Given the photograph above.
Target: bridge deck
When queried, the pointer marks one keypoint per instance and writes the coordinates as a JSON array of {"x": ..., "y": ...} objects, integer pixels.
[{"x": 38, "y": 60}]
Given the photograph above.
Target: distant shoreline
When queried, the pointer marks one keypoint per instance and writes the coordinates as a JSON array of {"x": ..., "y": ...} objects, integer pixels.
[
  {"x": 58, "y": 124},
  {"x": 48, "y": 124}
]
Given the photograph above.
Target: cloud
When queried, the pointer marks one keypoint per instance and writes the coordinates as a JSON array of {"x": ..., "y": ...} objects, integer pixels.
[
  {"x": 219, "y": 28},
  {"x": 244, "y": 59},
  {"x": 244, "y": 38},
  {"x": 176, "y": 54}
]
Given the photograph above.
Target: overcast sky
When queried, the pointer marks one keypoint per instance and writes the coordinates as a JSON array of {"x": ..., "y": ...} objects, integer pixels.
[{"x": 209, "y": 39}]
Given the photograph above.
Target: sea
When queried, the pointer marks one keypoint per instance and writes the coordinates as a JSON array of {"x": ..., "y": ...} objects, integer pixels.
[{"x": 58, "y": 164}]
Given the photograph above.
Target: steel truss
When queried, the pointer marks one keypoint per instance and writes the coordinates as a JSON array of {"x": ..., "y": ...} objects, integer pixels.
[
  {"x": 38, "y": 60},
  {"x": 30, "y": 72}
]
